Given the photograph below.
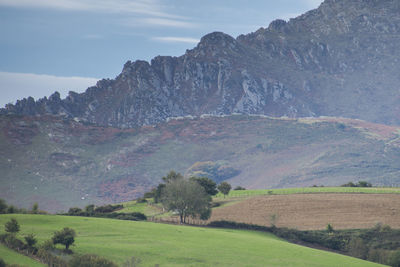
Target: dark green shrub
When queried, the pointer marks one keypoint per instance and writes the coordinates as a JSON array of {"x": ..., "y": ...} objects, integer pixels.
[
  {"x": 3, "y": 206},
  {"x": 149, "y": 194},
  {"x": 75, "y": 211},
  {"x": 141, "y": 200},
  {"x": 12, "y": 242},
  {"x": 12, "y": 226},
  {"x": 357, "y": 248},
  {"x": 108, "y": 208},
  {"x": 329, "y": 228},
  {"x": 91, "y": 261},
  {"x": 50, "y": 259},
  {"x": 2, "y": 263},
  {"x": 239, "y": 188},
  {"x": 395, "y": 259},
  {"x": 30, "y": 240}
]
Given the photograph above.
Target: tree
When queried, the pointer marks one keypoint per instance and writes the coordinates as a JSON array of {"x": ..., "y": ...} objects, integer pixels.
[
  {"x": 30, "y": 240},
  {"x": 12, "y": 226},
  {"x": 188, "y": 198},
  {"x": 65, "y": 237},
  {"x": 172, "y": 176},
  {"x": 89, "y": 209},
  {"x": 158, "y": 192},
  {"x": 224, "y": 188},
  {"x": 35, "y": 208},
  {"x": 3, "y": 206},
  {"x": 209, "y": 185}
]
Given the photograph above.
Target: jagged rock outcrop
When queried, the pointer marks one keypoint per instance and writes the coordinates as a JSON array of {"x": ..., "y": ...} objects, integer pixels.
[{"x": 341, "y": 59}]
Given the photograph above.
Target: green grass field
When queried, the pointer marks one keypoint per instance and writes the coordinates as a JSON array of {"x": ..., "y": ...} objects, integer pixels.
[
  {"x": 171, "y": 245},
  {"x": 312, "y": 190},
  {"x": 12, "y": 257}
]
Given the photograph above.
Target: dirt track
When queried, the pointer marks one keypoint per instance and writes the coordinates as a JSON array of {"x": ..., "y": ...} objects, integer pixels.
[{"x": 315, "y": 211}]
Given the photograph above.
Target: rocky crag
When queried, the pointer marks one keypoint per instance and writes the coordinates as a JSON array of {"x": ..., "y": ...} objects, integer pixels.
[{"x": 341, "y": 59}]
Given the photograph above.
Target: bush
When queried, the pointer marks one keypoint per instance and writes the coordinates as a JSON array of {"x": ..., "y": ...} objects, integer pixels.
[
  {"x": 395, "y": 259},
  {"x": 12, "y": 242},
  {"x": 50, "y": 259},
  {"x": 2, "y": 263},
  {"x": 329, "y": 228},
  {"x": 75, "y": 211},
  {"x": 3, "y": 206},
  {"x": 30, "y": 240},
  {"x": 91, "y": 261},
  {"x": 239, "y": 188},
  {"x": 47, "y": 245},
  {"x": 108, "y": 208},
  {"x": 149, "y": 194},
  {"x": 12, "y": 226},
  {"x": 141, "y": 200}
]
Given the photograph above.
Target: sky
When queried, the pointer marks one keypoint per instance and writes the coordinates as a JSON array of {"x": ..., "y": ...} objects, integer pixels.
[{"x": 68, "y": 45}]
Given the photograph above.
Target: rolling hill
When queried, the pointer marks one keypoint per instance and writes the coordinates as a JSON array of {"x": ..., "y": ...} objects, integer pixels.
[
  {"x": 172, "y": 245},
  {"x": 63, "y": 163}
]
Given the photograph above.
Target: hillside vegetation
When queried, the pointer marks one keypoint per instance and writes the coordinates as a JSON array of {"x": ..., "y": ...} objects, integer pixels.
[
  {"x": 170, "y": 245},
  {"x": 61, "y": 164}
]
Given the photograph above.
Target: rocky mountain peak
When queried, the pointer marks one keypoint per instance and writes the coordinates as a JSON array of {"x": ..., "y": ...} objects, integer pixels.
[{"x": 341, "y": 59}]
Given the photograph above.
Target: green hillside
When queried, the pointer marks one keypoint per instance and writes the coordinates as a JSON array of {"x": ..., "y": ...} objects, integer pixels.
[
  {"x": 171, "y": 245},
  {"x": 11, "y": 257},
  {"x": 61, "y": 164}
]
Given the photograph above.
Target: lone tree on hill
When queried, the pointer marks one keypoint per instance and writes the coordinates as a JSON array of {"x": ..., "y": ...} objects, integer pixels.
[
  {"x": 188, "y": 198},
  {"x": 66, "y": 237},
  {"x": 12, "y": 226},
  {"x": 209, "y": 185},
  {"x": 224, "y": 188}
]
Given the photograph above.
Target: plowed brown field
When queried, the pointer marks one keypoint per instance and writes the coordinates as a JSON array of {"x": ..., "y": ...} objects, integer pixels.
[{"x": 315, "y": 211}]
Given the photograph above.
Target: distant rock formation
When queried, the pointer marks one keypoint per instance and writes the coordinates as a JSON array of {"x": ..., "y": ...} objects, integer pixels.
[{"x": 341, "y": 59}]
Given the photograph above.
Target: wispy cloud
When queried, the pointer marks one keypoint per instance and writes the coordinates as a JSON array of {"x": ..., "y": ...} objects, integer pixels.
[
  {"x": 14, "y": 86},
  {"x": 174, "y": 23},
  {"x": 136, "y": 12},
  {"x": 171, "y": 39},
  {"x": 144, "y": 7}
]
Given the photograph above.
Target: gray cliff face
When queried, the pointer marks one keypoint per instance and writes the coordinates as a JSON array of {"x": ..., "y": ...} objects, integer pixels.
[{"x": 341, "y": 59}]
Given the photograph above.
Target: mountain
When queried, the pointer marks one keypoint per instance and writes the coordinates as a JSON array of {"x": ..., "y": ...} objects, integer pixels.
[
  {"x": 63, "y": 163},
  {"x": 341, "y": 59}
]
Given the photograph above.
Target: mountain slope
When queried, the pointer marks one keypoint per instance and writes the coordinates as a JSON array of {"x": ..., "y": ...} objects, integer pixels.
[
  {"x": 63, "y": 163},
  {"x": 341, "y": 59}
]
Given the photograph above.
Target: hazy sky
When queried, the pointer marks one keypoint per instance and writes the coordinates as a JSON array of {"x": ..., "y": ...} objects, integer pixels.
[{"x": 63, "y": 45}]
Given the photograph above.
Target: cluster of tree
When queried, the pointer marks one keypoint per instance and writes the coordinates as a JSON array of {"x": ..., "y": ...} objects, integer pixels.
[
  {"x": 107, "y": 211},
  {"x": 187, "y": 197},
  {"x": 359, "y": 184},
  {"x": 10, "y": 209}
]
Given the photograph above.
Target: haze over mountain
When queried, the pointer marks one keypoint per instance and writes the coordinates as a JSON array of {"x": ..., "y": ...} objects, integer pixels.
[
  {"x": 114, "y": 141},
  {"x": 341, "y": 59}
]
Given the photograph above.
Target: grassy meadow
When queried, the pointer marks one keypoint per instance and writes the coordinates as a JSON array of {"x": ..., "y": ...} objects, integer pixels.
[
  {"x": 172, "y": 245},
  {"x": 312, "y": 190},
  {"x": 12, "y": 257}
]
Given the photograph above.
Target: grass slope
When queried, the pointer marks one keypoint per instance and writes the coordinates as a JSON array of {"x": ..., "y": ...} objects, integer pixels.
[
  {"x": 171, "y": 245},
  {"x": 311, "y": 190},
  {"x": 12, "y": 257}
]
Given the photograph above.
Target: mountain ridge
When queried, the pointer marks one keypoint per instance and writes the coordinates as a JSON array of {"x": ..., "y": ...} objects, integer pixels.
[{"x": 337, "y": 60}]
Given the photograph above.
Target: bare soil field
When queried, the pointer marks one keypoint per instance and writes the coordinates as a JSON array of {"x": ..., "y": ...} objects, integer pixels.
[{"x": 315, "y": 211}]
